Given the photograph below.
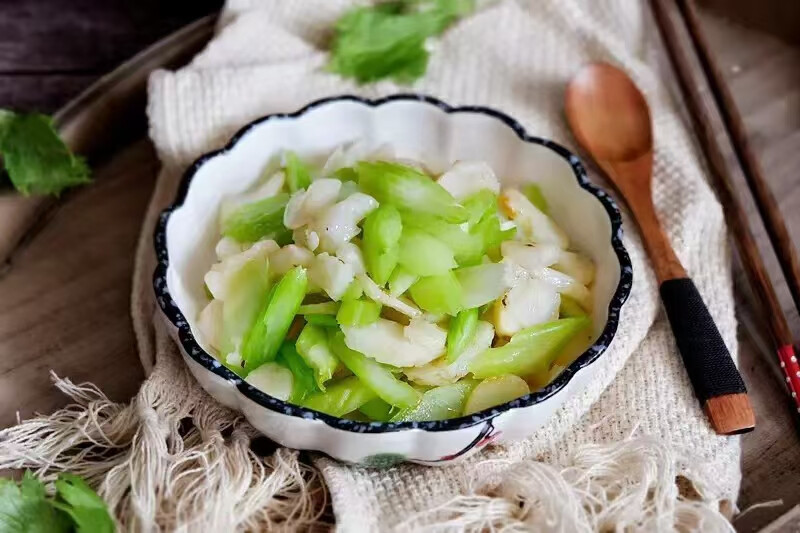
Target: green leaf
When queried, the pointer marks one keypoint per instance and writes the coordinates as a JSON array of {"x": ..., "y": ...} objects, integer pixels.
[
  {"x": 24, "y": 506},
  {"x": 37, "y": 160},
  {"x": 298, "y": 176},
  {"x": 388, "y": 40},
  {"x": 87, "y": 510}
]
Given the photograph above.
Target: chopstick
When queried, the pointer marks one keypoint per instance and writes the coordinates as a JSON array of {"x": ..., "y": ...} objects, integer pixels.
[
  {"x": 734, "y": 212},
  {"x": 753, "y": 173}
]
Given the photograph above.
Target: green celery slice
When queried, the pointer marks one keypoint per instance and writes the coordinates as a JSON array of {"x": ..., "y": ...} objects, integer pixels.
[
  {"x": 529, "y": 351},
  {"x": 461, "y": 332},
  {"x": 324, "y": 308},
  {"x": 374, "y": 375},
  {"x": 438, "y": 294},
  {"x": 400, "y": 281},
  {"x": 313, "y": 346},
  {"x": 467, "y": 248},
  {"x": 439, "y": 403},
  {"x": 382, "y": 230},
  {"x": 298, "y": 175},
  {"x": 247, "y": 290},
  {"x": 480, "y": 205},
  {"x": 377, "y": 410},
  {"x": 326, "y": 321},
  {"x": 358, "y": 312},
  {"x": 424, "y": 255},
  {"x": 342, "y": 397},
  {"x": 254, "y": 221},
  {"x": 304, "y": 383},
  {"x": 264, "y": 339},
  {"x": 408, "y": 188}
]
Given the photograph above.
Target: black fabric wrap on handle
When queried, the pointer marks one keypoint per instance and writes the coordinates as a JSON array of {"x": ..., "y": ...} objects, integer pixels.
[{"x": 705, "y": 356}]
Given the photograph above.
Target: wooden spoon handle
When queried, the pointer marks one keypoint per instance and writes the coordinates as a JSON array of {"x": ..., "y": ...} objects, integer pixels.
[{"x": 715, "y": 378}]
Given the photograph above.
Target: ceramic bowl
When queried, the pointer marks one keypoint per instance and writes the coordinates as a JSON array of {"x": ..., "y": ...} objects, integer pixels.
[{"x": 419, "y": 128}]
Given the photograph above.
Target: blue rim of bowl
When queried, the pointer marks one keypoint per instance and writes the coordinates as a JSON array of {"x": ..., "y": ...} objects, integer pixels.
[{"x": 193, "y": 349}]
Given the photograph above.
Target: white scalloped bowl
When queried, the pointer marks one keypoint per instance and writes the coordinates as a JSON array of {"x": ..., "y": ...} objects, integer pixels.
[{"x": 419, "y": 128}]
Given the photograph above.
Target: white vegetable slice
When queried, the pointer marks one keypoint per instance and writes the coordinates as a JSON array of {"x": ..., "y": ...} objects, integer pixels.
[
  {"x": 530, "y": 256},
  {"x": 273, "y": 379},
  {"x": 331, "y": 274},
  {"x": 532, "y": 301},
  {"x": 484, "y": 283},
  {"x": 375, "y": 293},
  {"x": 227, "y": 247},
  {"x": 351, "y": 254},
  {"x": 350, "y": 154},
  {"x": 339, "y": 222},
  {"x": 468, "y": 177},
  {"x": 495, "y": 391},
  {"x": 577, "y": 266},
  {"x": 566, "y": 285},
  {"x": 304, "y": 205},
  {"x": 283, "y": 260},
  {"x": 440, "y": 373},
  {"x": 389, "y": 343},
  {"x": 534, "y": 225},
  {"x": 210, "y": 323},
  {"x": 218, "y": 278}
]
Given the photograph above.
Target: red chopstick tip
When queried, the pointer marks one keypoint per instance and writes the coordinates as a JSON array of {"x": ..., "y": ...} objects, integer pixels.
[{"x": 731, "y": 414}]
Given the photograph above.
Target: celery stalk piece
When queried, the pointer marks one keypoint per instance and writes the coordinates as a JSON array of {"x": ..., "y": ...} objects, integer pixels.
[
  {"x": 495, "y": 391},
  {"x": 375, "y": 375},
  {"x": 480, "y": 205},
  {"x": 570, "y": 308},
  {"x": 400, "y": 281},
  {"x": 353, "y": 292},
  {"x": 325, "y": 321},
  {"x": 439, "y": 403},
  {"x": 534, "y": 195},
  {"x": 251, "y": 222},
  {"x": 313, "y": 346},
  {"x": 408, "y": 188},
  {"x": 358, "y": 312},
  {"x": 485, "y": 283},
  {"x": 264, "y": 339},
  {"x": 467, "y": 248},
  {"x": 438, "y": 294},
  {"x": 489, "y": 232},
  {"x": 424, "y": 255},
  {"x": 377, "y": 410},
  {"x": 246, "y": 292},
  {"x": 304, "y": 383},
  {"x": 324, "y": 308},
  {"x": 529, "y": 351},
  {"x": 461, "y": 332},
  {"x": 273, "y": 379},
  {"x": 382, "y": 230},
  {"x": 298, "y": 175},
  {"x": 342, "y": 397}
]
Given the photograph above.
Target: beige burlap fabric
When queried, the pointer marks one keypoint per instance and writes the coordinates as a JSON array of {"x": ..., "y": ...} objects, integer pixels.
[{"x": 583, "y": 470}]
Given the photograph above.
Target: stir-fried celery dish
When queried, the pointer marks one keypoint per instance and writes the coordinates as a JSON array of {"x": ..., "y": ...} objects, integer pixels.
[{"x": 372, "y": 289}]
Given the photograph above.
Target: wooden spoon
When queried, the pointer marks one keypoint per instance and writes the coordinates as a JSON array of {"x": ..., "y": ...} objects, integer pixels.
[{"x": 611, "y": 120}]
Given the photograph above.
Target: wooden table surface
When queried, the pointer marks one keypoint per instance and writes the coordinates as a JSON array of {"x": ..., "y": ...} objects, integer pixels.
[{"x": 50, "y": 50}]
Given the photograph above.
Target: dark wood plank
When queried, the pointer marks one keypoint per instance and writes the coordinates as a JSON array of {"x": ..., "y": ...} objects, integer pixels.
[
  {"x": 41, "y": 92},
  {"x": 65, "y": 299}
]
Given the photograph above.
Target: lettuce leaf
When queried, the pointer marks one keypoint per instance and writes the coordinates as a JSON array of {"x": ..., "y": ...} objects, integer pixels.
[{"x": 36, "y": 159}]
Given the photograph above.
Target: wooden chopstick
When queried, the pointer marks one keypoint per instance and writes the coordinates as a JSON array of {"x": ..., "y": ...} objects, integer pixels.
[
  {"x": 753, "y": 173},
  {"x": 734, "y": 212}
]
